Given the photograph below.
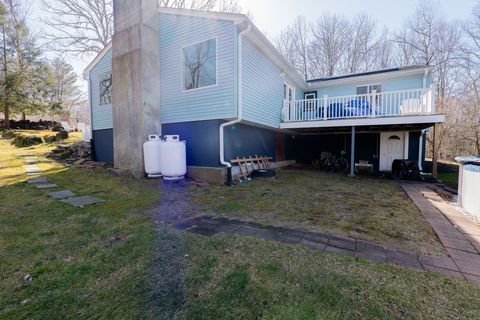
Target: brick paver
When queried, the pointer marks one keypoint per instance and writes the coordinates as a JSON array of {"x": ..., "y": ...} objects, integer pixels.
[
  {"x": 459, "y": 235},
  {"x": 463, "y": 260}
]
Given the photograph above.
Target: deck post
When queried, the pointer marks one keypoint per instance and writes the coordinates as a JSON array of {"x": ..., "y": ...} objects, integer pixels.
[
  {"x": 435, "y": 152},
  {"x": 352, "y": 154}
]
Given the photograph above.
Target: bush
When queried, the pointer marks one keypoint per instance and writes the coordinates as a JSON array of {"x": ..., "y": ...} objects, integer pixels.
[
  {"x": 49, "y": 139},
  {"x": 63, "y": 134},
  {"x": 26, "y": 141},
  {"x": 9, "y": 134}
]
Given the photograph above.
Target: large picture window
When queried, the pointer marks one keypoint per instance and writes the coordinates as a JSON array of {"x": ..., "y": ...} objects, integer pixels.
[
  {"x": 200, "y": 65},
  {"x": 105, "y": 88}
]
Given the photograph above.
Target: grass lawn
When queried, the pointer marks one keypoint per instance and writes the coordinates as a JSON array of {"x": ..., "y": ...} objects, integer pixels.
[
  {"x": 362, "y": 207},
  {"x": 87, "y": 262},
  {"x": 109, "y": 261},
  {"x": 449, "y": 178},
  {"x": 233, "y": 277}
]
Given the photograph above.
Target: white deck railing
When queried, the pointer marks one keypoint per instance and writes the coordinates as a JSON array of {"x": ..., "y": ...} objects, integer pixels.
[{"x": 381, "y": 104}]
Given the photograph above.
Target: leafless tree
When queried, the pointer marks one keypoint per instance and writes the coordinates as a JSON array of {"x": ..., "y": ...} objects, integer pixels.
[
  {"x": 470, "y": 64},
  {"x": 419, "y": 32},
  {"x": 82, "y": 27},
  {"x": 293, "y": 44},
  {"x": 428, "y": 39},
  {"x": 330, "y": 39},
  {"x": 362, "y": 42},
  {"x": 79, "y": 26},
  {"x": 383, "y": 52}
]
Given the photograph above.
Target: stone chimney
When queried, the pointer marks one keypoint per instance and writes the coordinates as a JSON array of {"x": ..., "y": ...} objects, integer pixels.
[{"x": 136, "y": 81}]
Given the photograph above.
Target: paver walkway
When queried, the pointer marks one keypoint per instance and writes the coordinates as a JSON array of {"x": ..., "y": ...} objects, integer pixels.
[
  {"x": 463, "y": 262},
  {"x": 208, "y": 225},
  {"x": 459, "y": 235}
]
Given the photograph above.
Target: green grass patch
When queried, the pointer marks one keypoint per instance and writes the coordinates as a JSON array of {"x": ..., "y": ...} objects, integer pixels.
[
  {"x": 233, "y": 277},
  {"x": 449, "y": 178},
  {"x": 87, "y": 262},
  {"x": 368, "y": 208}
]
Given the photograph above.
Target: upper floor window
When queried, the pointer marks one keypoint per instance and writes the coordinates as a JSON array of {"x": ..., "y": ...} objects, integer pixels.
[
  {"x": 200, "y": 65},
  {"x": 105, "y": 89},
  {"x": 369, "y": 89}
]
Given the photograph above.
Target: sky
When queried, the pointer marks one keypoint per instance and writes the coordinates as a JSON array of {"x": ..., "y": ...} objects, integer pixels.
[{"x": 272, "y": 16}]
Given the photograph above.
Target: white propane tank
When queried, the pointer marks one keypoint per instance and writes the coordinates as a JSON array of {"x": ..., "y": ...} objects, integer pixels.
[
  {"x": 173, "y": 157},
  {"x": 151, "y": 156}
]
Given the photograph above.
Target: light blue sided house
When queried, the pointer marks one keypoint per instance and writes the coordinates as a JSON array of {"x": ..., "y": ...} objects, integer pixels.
[{"x": 223, "y": 87}]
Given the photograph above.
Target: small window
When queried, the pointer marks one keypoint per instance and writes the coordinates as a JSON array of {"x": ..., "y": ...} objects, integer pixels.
[
  {"x": 105, "y": 88},
  {"x": 362, "y": 90},
  {"x": 200, "y": 65},
  {"x": 369, "y": 89}
]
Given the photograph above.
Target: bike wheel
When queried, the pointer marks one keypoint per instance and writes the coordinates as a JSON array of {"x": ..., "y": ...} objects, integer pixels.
[{"x": 341, "y": 165}]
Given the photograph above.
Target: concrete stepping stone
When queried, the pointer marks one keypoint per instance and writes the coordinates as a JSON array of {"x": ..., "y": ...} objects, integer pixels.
[
  {"x": 82, "y": 201},
  {"x": 61, "y": 194},
  {"x": 31, "y": 161},
  {"x": 46, "y": 186},
  {"x": 37, "y": 180},
  {"x": 32, "y": 169},
  {"x": 23, "y": 154}
]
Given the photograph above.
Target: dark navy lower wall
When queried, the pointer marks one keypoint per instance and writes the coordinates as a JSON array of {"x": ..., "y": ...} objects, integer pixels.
[
  {"x": 102, "y": 145},
  {"x": 202, "y": 139},
  {"x": 305, "y": 149},
  {"x": 241, "y": 140}
]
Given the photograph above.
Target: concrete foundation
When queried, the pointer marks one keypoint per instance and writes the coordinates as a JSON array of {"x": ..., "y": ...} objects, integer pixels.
[
  {"x": 208, "y": 174},
  {"x": 218, "y": 175},
  {"x": 136, "y": 81}
]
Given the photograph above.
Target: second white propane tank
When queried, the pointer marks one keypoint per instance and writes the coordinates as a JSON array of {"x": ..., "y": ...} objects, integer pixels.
[
  {"x": 151, "y": 156},
  {"x": 173, "y": 155}
]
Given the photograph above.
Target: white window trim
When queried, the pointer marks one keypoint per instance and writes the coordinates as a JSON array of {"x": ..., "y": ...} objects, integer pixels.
[
  {"x": 290, "y": 86},
  {"x": 368, "y": 87},
  {"x": 310, "y": 93},
  {"x": 182, "y": 84},
  {"x": 101, "y": 77}
]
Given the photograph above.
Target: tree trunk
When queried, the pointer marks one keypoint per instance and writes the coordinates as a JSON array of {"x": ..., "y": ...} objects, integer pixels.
[
  {"x": 6, "y": 108},
  {"x": 6, "y": 114},
  {"x": 24, "y": 116}
]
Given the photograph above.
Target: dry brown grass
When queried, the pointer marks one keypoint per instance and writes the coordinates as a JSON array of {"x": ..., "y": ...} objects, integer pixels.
[{"x": 363, "y": 207}]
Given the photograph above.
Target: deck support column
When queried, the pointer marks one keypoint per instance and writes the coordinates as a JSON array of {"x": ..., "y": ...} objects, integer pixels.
[
  {"x": 435, "y": 152},
  {"x": 352, "y": 154}
]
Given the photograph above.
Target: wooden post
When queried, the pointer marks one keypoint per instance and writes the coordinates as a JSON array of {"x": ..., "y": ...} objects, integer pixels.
[{"x": 434, "y": 155}]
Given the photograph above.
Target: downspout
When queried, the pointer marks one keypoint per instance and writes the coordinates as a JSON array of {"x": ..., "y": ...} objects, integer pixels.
[{"x": 239, "y": 107}]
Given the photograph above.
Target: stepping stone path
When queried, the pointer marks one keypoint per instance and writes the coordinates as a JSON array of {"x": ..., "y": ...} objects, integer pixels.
[
  {"x": 31, "y": 159},
  {"x": 37, "y": 180},
  {"x": 208, "y": 226},
  {"x": 23, "y": 154},
  {"x": 65, "y": 196},
  {"x": 46, "y": 186},
  {"x": 61, "y": 194},
  {"x": 82, "y": 201},
  {"x": 32, "y": 169}
]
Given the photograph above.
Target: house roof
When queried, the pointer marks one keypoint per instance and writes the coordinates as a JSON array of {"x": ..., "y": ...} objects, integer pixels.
[
  {"x": 405, "y": 69},
  {"x": 269, "y": 49}
]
